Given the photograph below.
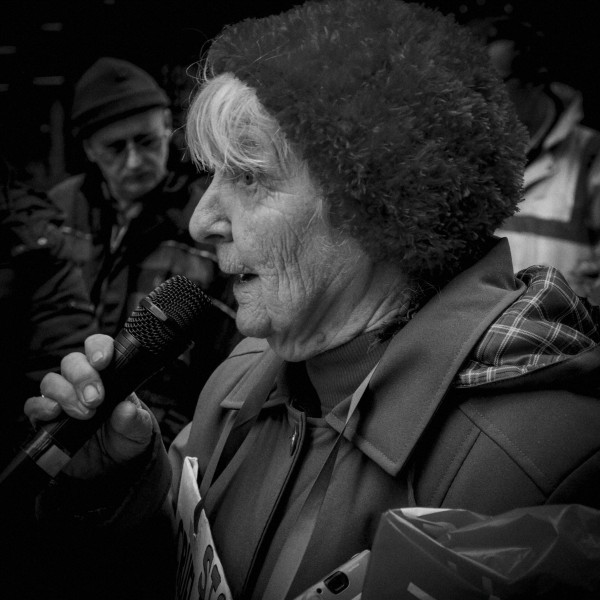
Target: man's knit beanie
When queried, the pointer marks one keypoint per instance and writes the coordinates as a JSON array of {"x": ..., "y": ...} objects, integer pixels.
[{"x": 110, "y": 90}]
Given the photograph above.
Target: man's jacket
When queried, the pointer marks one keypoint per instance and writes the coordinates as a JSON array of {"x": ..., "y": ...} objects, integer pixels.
[
  {"x": 558, "y": 222},
  {"x": 44, "y": 305}
]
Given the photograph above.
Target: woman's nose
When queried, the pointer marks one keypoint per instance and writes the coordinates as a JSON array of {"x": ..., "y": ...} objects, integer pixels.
[{"x": 209, "y": 222}]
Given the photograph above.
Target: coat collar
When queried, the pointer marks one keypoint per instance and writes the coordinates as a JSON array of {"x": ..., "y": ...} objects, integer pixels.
[
  {"x": 258, "y": 379},
  {"x": 422, "y": 360},
  {"x": 571, "y": 114}
]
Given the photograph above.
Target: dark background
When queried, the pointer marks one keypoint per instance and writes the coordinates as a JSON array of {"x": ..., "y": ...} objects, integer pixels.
[{"x": 45, "y": 45}]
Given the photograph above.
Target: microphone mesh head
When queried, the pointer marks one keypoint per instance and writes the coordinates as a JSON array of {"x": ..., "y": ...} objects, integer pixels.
[{"x": 183, "y": 302}]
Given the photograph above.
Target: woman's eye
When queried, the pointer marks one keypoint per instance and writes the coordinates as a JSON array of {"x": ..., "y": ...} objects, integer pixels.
[{"x": 248, "y": 178}]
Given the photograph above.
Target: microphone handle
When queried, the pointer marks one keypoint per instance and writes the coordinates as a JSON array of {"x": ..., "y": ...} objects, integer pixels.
[{"x": 43, "y": 457}]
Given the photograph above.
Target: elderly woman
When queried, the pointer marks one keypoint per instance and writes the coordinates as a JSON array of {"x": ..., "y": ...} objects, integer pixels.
[{"x": 363, "y": 153}]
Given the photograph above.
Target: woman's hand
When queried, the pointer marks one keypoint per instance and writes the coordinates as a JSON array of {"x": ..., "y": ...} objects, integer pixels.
[{"x": 78, "y": 391}]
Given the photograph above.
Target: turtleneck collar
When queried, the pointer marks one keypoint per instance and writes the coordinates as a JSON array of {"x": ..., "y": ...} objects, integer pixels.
[{"x": 335, "y": 374}]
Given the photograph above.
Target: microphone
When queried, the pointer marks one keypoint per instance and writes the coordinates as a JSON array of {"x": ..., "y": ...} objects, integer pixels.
[{"x": 160, "y": 329}]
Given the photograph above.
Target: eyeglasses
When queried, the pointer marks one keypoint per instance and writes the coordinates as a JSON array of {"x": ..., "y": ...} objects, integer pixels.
[{"x": 143, "y": 144}]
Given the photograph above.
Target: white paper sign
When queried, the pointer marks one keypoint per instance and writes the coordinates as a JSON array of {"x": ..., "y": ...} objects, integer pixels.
[{"x": 200, "y": 573}]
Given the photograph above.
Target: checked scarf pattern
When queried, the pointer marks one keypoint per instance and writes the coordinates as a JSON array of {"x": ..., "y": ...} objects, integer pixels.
[{"x": 548, "y": 324}]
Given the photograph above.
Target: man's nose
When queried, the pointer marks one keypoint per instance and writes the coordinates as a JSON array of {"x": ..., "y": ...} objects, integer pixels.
[{"x": 133, "y": 157}]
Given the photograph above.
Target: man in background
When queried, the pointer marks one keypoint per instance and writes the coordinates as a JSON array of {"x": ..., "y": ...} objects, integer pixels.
[
  {"x": 127, "y": 217},
  {"x": 558, "y": 222}
]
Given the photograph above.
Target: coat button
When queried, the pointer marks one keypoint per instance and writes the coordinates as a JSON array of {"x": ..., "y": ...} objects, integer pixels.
[{"x": 294, "y": 440}]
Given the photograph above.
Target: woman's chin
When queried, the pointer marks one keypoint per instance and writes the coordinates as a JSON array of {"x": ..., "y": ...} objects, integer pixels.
[{"x": 252, "y": 327}]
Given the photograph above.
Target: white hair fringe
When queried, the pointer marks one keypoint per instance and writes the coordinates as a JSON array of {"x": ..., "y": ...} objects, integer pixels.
[{"x": 229, "y": 130}]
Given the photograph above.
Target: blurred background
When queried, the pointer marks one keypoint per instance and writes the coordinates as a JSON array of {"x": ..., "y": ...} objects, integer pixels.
[{"x": 45, "y": 45}]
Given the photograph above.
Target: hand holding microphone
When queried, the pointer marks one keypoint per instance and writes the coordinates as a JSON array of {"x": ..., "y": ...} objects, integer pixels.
[
  {"x": 77, "y": 392},
  {"x": 86, "y": 405}
]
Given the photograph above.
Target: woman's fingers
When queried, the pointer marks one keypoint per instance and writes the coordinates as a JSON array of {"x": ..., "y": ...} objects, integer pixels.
[
  {"x": 40, "y": 408},
  {"x": 77, "y": 391},
  {"x": 99, "y": 349},
  {"x": 130, "y": 430}
]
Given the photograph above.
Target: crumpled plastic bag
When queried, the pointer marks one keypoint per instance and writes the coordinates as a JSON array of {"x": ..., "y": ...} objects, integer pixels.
[{"x": 546, "y": 552}]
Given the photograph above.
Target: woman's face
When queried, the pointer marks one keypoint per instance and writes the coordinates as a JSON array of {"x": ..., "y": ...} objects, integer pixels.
[{"x": 298, "y": 282}]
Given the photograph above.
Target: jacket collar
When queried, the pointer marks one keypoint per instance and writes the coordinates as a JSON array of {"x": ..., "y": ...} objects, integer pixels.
[
  {"x": 571, "y": 114},
  {"x": 258, "y": 380},
  {"x": 422, "y": 360}
]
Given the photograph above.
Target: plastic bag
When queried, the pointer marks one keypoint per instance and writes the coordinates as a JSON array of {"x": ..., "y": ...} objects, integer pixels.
[{"x": 547, "y": 552}]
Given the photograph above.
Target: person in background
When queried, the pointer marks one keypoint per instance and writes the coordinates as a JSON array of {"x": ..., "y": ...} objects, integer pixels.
[
  {"x": 45, "y": 313},
  {"x": 44, "y": 306},
  {"x": 558, "y": 223},
  {"x": 364, "y": 153},
  {"x": 126, "y": 218}
]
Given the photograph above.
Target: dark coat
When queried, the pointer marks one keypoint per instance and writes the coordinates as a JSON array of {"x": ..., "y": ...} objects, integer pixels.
[{"x": 421, "y": 438}]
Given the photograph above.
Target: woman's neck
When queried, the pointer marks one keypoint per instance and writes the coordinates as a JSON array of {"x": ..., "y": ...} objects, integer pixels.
[
  {"x": 368, "y": 304},
  {"x": 336, "y": 374}
]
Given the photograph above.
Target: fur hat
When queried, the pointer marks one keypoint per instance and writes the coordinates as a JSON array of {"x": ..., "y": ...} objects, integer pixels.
[
  {"x": 110, "y": 90},
  {"x": 400, "y": 117}
]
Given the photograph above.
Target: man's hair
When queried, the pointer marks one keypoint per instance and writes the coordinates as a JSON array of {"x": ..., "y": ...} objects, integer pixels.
[
  {"x": 397, "y": 112},
  {"x": 529, "y": 63}
]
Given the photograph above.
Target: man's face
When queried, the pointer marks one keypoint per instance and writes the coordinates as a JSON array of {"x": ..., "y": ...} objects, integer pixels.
[
  {"x": 132, "y": 153},
  {"x": 523, "y": 94},
  {"x": 502, "y": 55}
]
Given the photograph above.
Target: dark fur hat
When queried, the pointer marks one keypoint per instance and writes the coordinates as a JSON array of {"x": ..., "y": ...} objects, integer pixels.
[{"x": 400, "y": 117}]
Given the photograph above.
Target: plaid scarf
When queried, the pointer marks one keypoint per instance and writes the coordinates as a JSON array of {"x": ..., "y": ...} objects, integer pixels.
[{"x": 548, "y": 324}]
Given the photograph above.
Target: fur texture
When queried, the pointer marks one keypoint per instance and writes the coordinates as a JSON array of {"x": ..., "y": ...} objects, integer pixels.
[{"x": 400, "y": 117}]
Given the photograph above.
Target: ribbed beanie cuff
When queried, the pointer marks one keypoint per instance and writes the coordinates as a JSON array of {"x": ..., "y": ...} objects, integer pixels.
[{"x": 110, "y": 90}]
